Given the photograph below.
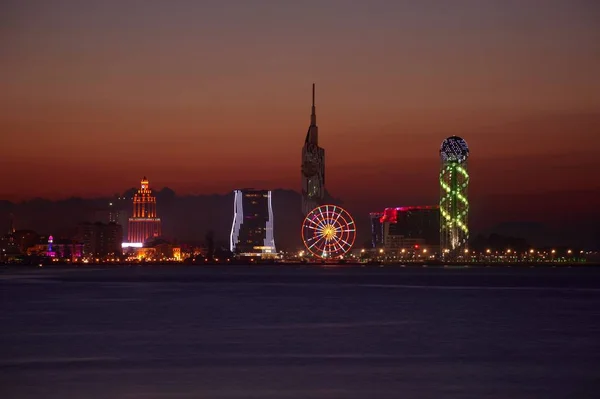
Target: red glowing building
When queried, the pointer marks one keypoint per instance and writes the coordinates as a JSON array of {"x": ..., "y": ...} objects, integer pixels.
[
  {"x": 143, "y": 224},
  {"x": 406, "y": 227}
]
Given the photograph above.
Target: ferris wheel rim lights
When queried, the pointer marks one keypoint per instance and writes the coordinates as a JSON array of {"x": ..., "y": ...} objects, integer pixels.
[{"x": 328, "y": 231}]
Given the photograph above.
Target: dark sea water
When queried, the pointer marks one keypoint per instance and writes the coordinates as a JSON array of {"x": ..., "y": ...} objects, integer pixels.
[{"x": 193, "y": 332}]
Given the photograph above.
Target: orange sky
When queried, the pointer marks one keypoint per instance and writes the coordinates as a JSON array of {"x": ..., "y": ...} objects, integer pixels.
[{"x": 209, "y": 98}]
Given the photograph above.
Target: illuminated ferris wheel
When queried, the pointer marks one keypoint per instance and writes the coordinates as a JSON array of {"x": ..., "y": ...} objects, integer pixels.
[{"x": 328, "y": 231}]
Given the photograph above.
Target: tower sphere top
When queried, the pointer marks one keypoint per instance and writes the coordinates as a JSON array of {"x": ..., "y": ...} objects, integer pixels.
[{"x": 454, "y": 149}]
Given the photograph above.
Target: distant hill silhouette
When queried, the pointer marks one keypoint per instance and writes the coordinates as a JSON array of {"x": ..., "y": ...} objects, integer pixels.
[
  {"x": 541, "y": 218},
  {"x": 185, "y": 218}
]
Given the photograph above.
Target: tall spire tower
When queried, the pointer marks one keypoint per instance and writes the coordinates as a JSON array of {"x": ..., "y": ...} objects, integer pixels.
[
  {"x": 313, "y": 165},
  {"x": 313, "y": 115}
]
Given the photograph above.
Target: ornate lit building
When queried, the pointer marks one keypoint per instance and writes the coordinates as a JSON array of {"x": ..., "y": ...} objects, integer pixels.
[
  {"x": 313, "y": 166},
  {"x": 454, "y": 202},
  {"x": 143, "y": 224}
]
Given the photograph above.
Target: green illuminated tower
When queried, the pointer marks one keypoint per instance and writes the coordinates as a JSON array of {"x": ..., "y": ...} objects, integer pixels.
[{"x": 454, "y": 203}]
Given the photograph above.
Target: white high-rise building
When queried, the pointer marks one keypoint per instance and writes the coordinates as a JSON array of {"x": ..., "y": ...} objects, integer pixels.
[{"x": 252, "y": 227}]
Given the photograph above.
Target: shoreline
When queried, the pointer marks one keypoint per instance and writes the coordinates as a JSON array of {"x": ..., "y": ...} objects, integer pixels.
[{"x": 296, "y": 265}]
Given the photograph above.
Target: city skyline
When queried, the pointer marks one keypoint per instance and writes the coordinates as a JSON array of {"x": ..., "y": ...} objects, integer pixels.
[
  {"x": 176, "y": 222},
  {"x": 518, "y": 81}
]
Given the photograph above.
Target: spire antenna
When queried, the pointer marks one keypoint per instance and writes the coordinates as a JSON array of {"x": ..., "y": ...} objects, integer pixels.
[
  {"x": 11, "y": 223},
  {"x": 313, "y": 115}
]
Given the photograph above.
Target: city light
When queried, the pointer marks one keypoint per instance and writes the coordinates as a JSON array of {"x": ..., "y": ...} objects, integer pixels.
[{"x": 132, "y": 245}]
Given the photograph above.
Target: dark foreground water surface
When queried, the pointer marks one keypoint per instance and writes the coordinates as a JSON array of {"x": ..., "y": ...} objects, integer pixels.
[{"x": 192, "y": 332}]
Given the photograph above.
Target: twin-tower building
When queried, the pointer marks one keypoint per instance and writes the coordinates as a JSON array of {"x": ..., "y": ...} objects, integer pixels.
[{"x": 252, "y": 227}]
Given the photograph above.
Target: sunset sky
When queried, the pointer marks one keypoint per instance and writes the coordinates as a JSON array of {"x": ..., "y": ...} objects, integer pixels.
[{"x": 207, "y": 96}]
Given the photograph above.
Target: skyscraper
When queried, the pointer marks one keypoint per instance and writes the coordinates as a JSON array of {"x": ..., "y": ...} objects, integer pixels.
[
  {"x": 454, "y": 203},
  {"x": 117, "y": 210},
  {"x": 252, "y": 227},
  {"x": 143, "y": 224},
  {"x": 100, "y": 239},
  {"x": 313, "y": 165}
]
